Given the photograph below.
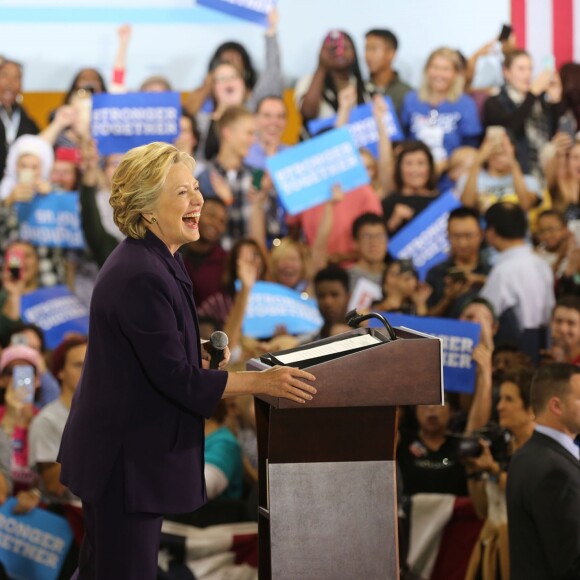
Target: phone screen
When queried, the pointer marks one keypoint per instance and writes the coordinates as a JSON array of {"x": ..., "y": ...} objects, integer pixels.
[
  {"x": 26, "y": 176},
  {"x": 13, "y": 261},
  {"x": 505, "y": 33},
  {"x": 23, "y": 382},
  {"x": 257, "y": 175}
]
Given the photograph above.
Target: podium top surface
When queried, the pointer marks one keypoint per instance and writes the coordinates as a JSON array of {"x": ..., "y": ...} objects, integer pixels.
[{"x": 380, "y": 372}]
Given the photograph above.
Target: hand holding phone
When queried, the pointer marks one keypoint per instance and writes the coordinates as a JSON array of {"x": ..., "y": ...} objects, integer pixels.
[
  {"x": 456, "y": 275},
  {"x": 495, "y": 134},
  {"x": 14, "y": 261},
  {"x": 566, "y": 125}
]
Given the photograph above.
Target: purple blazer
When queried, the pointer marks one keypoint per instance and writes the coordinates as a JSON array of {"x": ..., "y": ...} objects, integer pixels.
[{"x": 142, "y": 394}]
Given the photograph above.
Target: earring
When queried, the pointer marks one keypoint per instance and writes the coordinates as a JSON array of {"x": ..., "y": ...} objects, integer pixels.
[{"x": 153, "y": 220}]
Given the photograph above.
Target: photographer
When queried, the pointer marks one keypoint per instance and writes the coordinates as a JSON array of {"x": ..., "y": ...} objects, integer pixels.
[{"x": 487, "y": 460}]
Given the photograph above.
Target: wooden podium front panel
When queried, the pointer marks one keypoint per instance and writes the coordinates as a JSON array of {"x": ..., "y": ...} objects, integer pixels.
[{"x": 335, "y": 434}]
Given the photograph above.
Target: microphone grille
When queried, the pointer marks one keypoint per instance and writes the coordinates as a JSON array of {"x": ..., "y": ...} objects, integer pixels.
[{"x": 219, "y": 340}]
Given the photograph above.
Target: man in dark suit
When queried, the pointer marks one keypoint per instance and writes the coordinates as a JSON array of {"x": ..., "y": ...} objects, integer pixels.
[
  {"x": 543, "y": 489},
  {"x": 14, "y": 119}
]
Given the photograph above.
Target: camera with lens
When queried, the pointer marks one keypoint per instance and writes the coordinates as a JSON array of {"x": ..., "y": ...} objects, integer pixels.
[{"x": 470, "y": 446}]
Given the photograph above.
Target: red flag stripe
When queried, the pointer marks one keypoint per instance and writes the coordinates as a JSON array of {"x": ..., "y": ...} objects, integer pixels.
[
  {"x": 563, "y": 33},
  {"x": 519, "y": 21}
]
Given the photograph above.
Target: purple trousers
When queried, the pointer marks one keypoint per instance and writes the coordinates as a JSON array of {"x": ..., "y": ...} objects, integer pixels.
[{"x": 118, "y": 545}]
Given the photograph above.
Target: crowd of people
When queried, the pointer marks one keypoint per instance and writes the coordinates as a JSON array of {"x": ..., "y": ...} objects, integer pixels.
[{"x": 508, "y": 151}]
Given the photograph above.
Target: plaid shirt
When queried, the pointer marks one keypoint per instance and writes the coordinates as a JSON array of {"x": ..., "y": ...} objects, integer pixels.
[{"x": 240, "y": 183}]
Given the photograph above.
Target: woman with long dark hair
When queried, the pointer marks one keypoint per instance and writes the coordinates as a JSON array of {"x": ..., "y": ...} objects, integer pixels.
[
  {"x": 317, "y": 95},
  {"x": 415, "y": 185}
]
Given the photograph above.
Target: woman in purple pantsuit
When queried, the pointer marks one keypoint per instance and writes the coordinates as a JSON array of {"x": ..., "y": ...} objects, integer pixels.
[{"x": 133, "y": 445}]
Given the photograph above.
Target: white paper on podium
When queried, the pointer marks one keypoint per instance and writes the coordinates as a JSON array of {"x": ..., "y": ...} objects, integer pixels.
[{"x": 328, "y": 349}]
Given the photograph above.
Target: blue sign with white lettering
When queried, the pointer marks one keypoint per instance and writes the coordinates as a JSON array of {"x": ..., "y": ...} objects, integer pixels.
[
  {"x": 273, "y": 305},
  {"x": 33, "y": 546},
  {"x": 363, "y": 127},
  {"x": 253, "y": 10},
  {"x": 51, "y": 220},
  {"x": 57, "y": 312},
  {"x": 424, "y": 239},
  {"x": 121, "y": 122},
  {"x": 304, "y": 174},
  {"x": 458, "y": 339}
]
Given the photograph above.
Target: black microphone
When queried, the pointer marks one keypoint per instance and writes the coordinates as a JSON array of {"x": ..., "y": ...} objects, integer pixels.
[
  {"x": 353, "y": 319},
  {"x": 219, "y": 341}
]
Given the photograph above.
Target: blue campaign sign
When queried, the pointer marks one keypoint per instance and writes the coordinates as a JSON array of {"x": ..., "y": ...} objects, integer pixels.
[
  {"x": 56, "y": 311},
  {"x": 458, "y": 339},
  {"x": 52, "y": 220},
  {"x": 304, "y": 174},
  {"x": 272, "y": 305},
  {"x": 424, "y": 238},
  {"x": 33, "y": 546},
  {"x": 121, "y": 122},
  {"x": 363, "y": 127},
  {"x": 253, "y": 10}
]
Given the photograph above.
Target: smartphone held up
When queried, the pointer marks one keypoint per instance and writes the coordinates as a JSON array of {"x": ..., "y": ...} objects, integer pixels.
[
  {"x": 14, "y": 262},
  {"x": 23, "y": 381}
]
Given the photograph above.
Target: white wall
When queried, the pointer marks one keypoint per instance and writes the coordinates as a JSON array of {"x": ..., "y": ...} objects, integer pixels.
[{"x": 57, "y": 37}]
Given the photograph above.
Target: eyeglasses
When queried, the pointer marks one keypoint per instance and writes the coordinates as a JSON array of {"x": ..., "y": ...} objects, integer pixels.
[
  {"x": 370, "y": 237},
  {"x": 466, "y": 236},
  {"x": 548, "y": 231}
]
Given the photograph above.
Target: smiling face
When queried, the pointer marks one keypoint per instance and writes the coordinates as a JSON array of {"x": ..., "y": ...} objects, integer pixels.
[
  {"x": 177, "y": 209},
  {"x": 565, "y": 327},
  {"x": 551, "y": 232},
  {"x": 271, "y": 120},
  {"x": 289, "y": 267},
  {"x": 10, "y": 84},
  {"x": 415, "y": 170},
  {"x": 213, "y": 221},
  {"x": 228, "y": 85},
  {"x": 441, "y": 74}
]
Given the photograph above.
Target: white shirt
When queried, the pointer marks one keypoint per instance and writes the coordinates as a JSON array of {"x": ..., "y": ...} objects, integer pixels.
[
  {"x": 561, "y": 438},
  {"x": 523, "y": 281}
]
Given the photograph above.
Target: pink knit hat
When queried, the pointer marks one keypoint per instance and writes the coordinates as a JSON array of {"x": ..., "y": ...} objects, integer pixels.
[{"x": 20, "y": 352}]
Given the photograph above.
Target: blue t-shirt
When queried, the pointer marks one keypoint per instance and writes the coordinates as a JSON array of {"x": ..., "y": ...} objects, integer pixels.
[
  {"x": 458, "y": 121},
  {"x": 223, "y": 451}
]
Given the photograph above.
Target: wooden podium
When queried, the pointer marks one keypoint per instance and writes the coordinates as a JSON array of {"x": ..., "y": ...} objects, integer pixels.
[{"x": 327, "y": 486}]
